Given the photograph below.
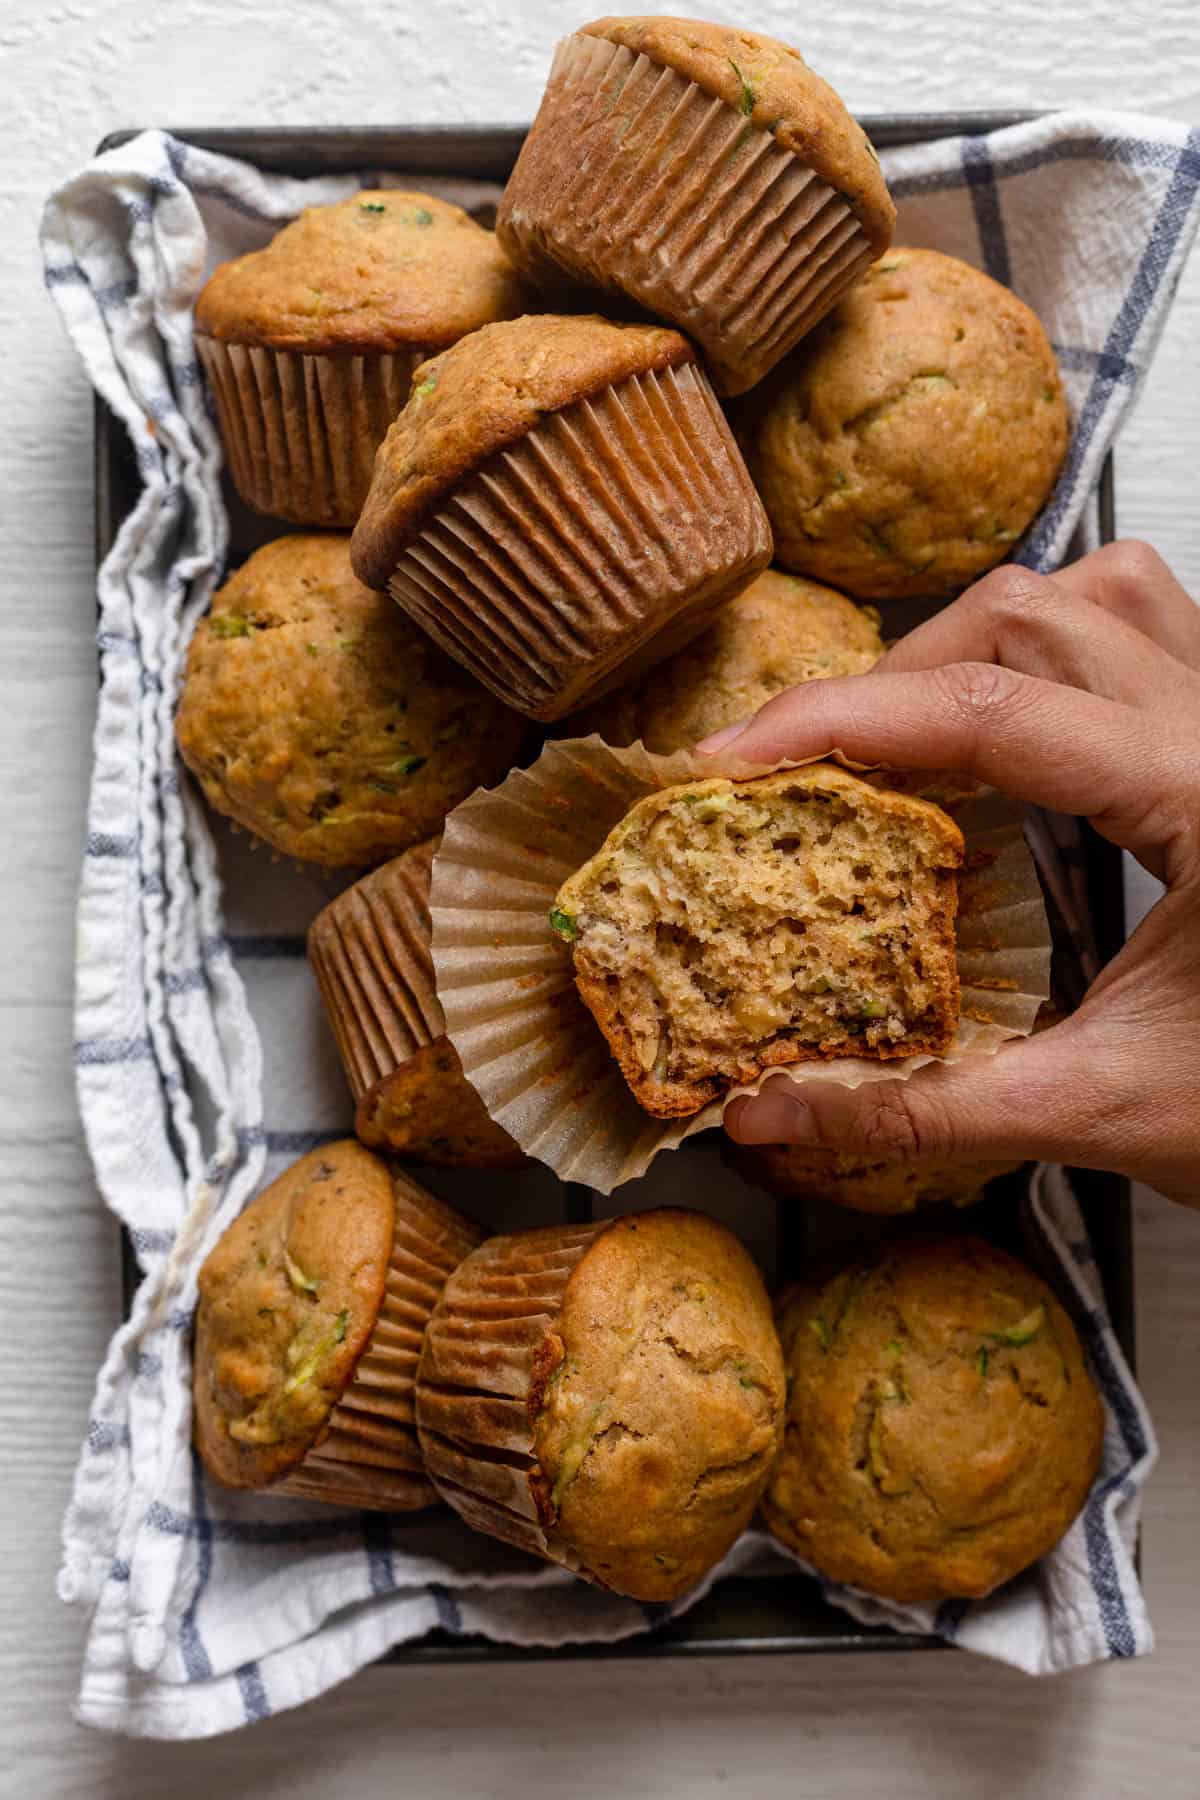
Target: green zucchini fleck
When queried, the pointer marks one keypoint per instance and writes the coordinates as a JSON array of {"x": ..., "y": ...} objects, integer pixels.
[
  {"x": 299, "y": 1282},
  {"x": 1023, "y": 1330},
  {"x": 229, "y": 625},
  {"x": 564, "y": 924},
  {"x": 746, "y": 98}
]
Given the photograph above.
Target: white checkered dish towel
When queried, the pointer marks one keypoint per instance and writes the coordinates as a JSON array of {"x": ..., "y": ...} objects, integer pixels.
[{"x": 202, "y": 1062}]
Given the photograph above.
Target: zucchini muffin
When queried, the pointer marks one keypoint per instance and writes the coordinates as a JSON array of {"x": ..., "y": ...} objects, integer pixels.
[
  {"x": 780, "y": 632},
  {"x": 908, "y": 444},
  {"x": 707, "y": 174},
  {"x": 560, "y": 504},
  {"x": 318, "y": 717},
  {"x": 943, "y": 1430},
  {"x": 861, "y": 1183},
  {"x": 729, "y": 927},
  {"x": 370, "y": 952},
  {"x": 609, "y": 1397},
  {"x": 309, "y": 1325},
  {"x": 310, "y": 344}
]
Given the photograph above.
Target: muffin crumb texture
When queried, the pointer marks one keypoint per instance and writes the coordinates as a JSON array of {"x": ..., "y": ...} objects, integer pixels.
[
  {"x": 943, "y": 1430},
  {"x": 320, "y": 718},
  {"x": 726, "y": 928},
  {"x": 288, "y": 1299},
  {"x": 908, "y": 443}
]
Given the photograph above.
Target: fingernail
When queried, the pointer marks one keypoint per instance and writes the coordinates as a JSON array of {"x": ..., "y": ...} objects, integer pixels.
[
  {"x": 710, "y": 745},
  {"x": 772, "y": 1117}
]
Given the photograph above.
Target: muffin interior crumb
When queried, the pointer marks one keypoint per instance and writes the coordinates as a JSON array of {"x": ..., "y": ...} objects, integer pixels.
[{"x": 740, "y": 925}]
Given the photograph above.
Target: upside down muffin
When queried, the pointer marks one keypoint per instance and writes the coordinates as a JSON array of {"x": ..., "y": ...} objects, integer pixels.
[{"x": 370, "y": 951}]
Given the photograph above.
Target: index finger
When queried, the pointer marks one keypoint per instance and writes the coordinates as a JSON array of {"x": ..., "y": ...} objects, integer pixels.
[{"x": 1053, "y": 746}]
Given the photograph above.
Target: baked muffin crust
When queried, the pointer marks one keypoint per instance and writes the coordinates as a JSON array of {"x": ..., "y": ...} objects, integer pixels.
[
  {"x": 483, "y": 394},
  {"x": 863, "y": 1183},
  {"x": 382, "y": 270},
  {"x": 657, "y": 1410},
  {"x": 781, "y": 631},
  {"x": 908, "y": 443},
  {"x": 319, "y": 717},
  {"x": 289, "y": 1297},
  {"x": 943, "y": 1429}
]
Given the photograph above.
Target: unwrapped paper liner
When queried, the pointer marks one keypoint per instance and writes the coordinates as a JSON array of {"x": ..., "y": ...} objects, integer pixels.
[{"x": 506, "y": 982}]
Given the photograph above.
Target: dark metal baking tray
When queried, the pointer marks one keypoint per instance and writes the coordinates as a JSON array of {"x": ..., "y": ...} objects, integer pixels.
[{"x": 740, "y": 1615}]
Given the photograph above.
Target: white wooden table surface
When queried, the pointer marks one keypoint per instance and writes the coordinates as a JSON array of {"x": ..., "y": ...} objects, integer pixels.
[{"x": 894, "y": 1726}]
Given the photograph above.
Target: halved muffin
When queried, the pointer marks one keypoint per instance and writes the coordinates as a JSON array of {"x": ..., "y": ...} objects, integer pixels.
[{"x": 729, "y": 927}]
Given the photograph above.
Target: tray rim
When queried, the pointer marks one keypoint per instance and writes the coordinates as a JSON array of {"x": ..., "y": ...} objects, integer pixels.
[{"x": 352, "y": 146}]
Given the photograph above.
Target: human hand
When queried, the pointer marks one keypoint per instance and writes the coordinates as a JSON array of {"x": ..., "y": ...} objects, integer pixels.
[{"x": 1079, "y": 692}]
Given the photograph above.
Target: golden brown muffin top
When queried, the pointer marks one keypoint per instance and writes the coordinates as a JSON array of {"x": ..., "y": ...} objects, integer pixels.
[
  {"x": 943, "y": 1430},
  {"x": 382, "y": 270},
  {"x": 658, "y": 1408},
  {"x": 317, "y": 715},
  {"x": 288, "y": 1300},
  {"x": 781, "y": 631},
  {"x": 906, "y": 445},
  {"x": 863, "y": 1183},
  {"x": 484, "y": 393},
  {"x": 772, "y": 86}
]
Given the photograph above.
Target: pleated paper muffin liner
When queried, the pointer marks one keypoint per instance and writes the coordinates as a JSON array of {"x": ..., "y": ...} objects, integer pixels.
[
  {"x": 300, "y": 429},
  {"x": 369, "y": 1455},
  {"x": 477, "y": 1372},
  {"x": 506, "y": 982},
  {"x": 369, "y": 950},
  {"x": 600, "y": 542},
  {"x": 634, "y": 177}
]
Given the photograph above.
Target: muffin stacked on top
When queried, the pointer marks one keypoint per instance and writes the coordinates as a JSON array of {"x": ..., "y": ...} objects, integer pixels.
[{"x": 552, "y": 520}]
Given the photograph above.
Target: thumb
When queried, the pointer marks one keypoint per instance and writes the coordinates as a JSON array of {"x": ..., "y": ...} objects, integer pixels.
[{"x": 1031, "y": 1099}]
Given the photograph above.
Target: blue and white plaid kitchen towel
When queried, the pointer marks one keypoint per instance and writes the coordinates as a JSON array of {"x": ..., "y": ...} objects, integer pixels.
[{"x": 202, "y": 1060}]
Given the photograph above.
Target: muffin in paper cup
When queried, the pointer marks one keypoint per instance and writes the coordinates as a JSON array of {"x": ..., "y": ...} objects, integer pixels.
[
  {"x": 560, "y": 505},
  {"x": 506, "y": 982},
  {"x": 310, "y": 344},
  {"x": 370, "y": 952},
  {"x": 312, "y": 1310},
  {"x": 705, "y": 173},
  {"x": 608, "y": 1397}
]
